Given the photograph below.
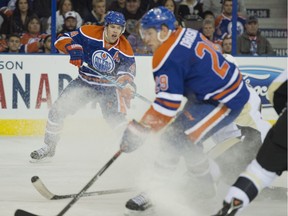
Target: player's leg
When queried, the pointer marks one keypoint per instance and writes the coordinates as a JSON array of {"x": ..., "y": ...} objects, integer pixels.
[
  {"x": 113, "y": 107},
  {"x": 76, "y": 95},
  {"x": 179, "y": 143},
  {"x": 207, "y": 119},
  {"x": 253, "y": 131},
  {"x": 164, "y": 166},
  {"x": 271, "y": 161}
]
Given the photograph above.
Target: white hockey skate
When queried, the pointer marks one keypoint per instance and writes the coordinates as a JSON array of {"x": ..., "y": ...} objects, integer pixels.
[
  {"x": 230, "y": 209},
  {"x": 42, "y": 154},
  {"x": 139, "y": 206}
]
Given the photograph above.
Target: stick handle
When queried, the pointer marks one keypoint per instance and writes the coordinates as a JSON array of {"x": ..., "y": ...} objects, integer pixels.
[
  {"x": 118, "y": 85},
  {"x": 90, "y": 183}
]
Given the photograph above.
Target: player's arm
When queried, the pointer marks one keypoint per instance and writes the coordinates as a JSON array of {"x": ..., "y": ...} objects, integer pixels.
[
  {"x": 155, "y": 120},
  {"x": 70, "y": 43},
  {"x": 169, "y": 95},
  {"x": 136, "y": 132},
  {"x": 125, "y": 77}
]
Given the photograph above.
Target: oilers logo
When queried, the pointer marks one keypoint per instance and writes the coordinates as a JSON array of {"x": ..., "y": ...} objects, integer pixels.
[
  {"x": 260, "y": 77},
  {"x": 103, "y": 62},
  {"x": 240, "y": 28}
]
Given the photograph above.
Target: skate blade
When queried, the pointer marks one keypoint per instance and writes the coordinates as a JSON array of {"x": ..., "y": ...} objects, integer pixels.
[
  {"x": 43, "y": 160},
  {"x": 148, "y": 212}
]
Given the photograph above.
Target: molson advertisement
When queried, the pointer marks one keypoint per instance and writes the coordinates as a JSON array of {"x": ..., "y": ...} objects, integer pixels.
[{"x": 29, "y": 84}]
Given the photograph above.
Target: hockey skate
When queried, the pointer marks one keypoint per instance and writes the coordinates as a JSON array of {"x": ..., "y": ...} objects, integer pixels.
[
  {"x": 230, "y": 209},
  {"x": 44, "y": 153},
  {"x": 139, "y": 205}
]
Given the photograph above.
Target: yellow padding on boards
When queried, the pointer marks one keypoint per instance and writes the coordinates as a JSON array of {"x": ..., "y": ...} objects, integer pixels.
[
  {"x": 32, "y": 127},
  {"x": 22, "y": 127}
]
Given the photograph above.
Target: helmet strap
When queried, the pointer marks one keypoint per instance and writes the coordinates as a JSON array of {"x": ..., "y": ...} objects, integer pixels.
[{"x": 164, "y": 39}]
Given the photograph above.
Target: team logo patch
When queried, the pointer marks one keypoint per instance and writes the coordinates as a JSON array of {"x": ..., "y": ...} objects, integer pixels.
[
  {"x": 260, "y": 77},
  {"x": 102, "y": 61},
  {"x": 240, "y": 28}
]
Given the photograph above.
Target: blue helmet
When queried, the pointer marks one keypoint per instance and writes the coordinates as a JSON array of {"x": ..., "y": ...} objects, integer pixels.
[
  {"x": 116, "y": 18},
  {"x": 156, "y": 17}
]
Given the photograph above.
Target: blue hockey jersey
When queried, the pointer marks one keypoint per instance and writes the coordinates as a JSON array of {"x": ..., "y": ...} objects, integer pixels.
[
  {"x": 112, "y": 61},
  {"x": 186, "y": 64}
]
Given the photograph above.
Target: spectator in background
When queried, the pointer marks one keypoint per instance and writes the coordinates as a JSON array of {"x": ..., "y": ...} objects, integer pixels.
[
  {"x": 4, "y": 25},
  {"x": 251, "y": 42},
  {"x": 83, "y": 7},
  {"x": 171, "y": 5},
  {"x": 13, "y": 43},
  {"x": 209, "y": 15},
  {"x": 64, "y": 7},
  {"x": 216, "y": 6},
  {"x": 47, "y": 44},
  {"x": 148, "y": 4},
  {"x": 3, "y": 44},
  {"x": 223, "y": 22},
  {"x": 190, "y": 9},
  {"x": 132, "y": 13},
  {"x": 227, "y": 44},
  {"x": 8, "y": 7},
  {"x": 70, "y": 23},
  {"x": 97, "y": 14},
  {"x": 208, "y": 30},
  {"x": 22, "y": 13},
  {"x": 3, "y": 3},
  {"x": 117, "y": 5},
  {"x": 32, "y": 40},
  {"x": 42, "y": 8}
]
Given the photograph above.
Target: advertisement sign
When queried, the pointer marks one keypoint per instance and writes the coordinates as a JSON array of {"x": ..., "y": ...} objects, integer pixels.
[{"x": 29, "y": 84}]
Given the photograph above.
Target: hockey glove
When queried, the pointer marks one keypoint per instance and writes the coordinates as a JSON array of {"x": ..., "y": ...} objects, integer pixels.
[
  {"x": 76, "y": 54},
  {"x": 128, "y": 88},
  {"x": 134, "y": 136}
]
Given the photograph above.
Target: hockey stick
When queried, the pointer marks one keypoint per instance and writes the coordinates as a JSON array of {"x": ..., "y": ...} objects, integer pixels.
[
  {"x": 118, "y": 85},
  {"x": 43, "y": 190},
  {"x": 20, "y": 212}
]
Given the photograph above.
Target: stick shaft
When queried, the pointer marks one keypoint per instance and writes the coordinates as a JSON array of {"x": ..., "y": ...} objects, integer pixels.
[
  {"x": 46, "y": 193},
  {"x": 118, "y": 85},
  {"x": 90, "y": 183}
]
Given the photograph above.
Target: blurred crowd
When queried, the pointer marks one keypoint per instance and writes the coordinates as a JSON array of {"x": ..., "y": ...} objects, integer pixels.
[{"x": 25, "y": 25}]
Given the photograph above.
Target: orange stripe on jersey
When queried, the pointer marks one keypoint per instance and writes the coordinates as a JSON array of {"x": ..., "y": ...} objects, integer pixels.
[
  {"x": 168, "y": 104},
  {"x": 60, "y": 44},
  {"x": 124, "y": 46},
  {"x": 161, "y": 52},
  {"x": 227, "y": 91},
  {"x": 154, "y": 119},
  {"x": 96, "y": 32},
  {"x": 195, "y": 135},
  {"x": 216, "y": 47},
  {"x": 93, "y": 31}
]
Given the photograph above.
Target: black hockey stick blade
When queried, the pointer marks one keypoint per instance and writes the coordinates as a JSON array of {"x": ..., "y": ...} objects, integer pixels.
[
  {"x": 43, "y": 190},
  {"x": 20, "y": 212}
]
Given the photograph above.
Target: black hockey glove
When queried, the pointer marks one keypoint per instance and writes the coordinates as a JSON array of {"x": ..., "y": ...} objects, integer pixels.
[{"x": 134, "y": 136}]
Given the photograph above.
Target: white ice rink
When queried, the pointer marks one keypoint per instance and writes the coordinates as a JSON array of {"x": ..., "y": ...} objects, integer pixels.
[{"x": 79, "y": 155}]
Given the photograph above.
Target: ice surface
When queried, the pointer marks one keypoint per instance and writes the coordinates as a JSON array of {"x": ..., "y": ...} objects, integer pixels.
[{"x": 79, "y": 155}]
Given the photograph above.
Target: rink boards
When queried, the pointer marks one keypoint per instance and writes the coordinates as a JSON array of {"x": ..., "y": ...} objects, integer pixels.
[{"x": 29, "y": 84}]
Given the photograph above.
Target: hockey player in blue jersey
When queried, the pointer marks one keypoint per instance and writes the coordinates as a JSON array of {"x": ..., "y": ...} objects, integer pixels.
[
  {"x": 185, "y": 65},
  {"x": 105, "y": 49}
]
